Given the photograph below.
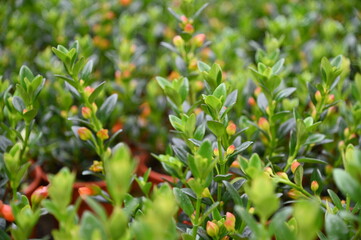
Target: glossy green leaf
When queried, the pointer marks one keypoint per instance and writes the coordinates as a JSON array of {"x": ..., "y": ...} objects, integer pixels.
[{"x": 183, "y": 201}]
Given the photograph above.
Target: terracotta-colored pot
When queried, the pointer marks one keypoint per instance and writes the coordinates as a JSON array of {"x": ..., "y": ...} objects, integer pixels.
[{"x": 36, "y": 175}]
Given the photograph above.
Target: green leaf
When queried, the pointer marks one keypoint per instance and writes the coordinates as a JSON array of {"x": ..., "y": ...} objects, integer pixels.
[
  {"x": 335, "y": 199},
  {"x": 249, "y": 219},
  {"x": 279, "y": 225},
  {"x": 203, "y": 67},
  {"x": 284, "y": 93},
  {"x": 234, "y": 193},
  {"x": 183, "y": 201},
  {"x": 107, "y": 107},
  {"x": 176, "y": 123},
  {"x": 209, "y": 210},
  {"x": 217, "y": 128},
  {"x": 19, "y": 104},
  {"x": 205, "y": 150},
  {"x": 336, "y": 228},
  {"x": 213, "y": 102},
  {"x": 96, "y": 92},
  {"x": 315, "y": 138},
  {"x": 97, "y": 208},
  {"x": 347, "y": 184},
  {"x": 25, "y": 72},
  {"x": 298, "y": 176},
  {"x": 220, "y": 92},
  {"x": 222, "y": 177},
  {"x": 278, "y": 66},
  {"x": 163, "y": 82},
  {"x": 311, "y": 160},
  {"x": 88, "y": 68},
  {"x": 89, "y": 224}
]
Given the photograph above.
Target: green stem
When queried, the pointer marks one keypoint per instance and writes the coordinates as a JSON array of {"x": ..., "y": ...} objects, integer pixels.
[
  {"x": 25, "y": 143},
  {"x": 196, "y": 225}
]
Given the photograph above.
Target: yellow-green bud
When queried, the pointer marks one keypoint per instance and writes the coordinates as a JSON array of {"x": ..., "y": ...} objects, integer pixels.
[{"x": 84, "y": 133}]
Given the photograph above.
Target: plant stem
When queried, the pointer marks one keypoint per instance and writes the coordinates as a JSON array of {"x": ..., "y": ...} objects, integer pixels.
[
  {"x": 25, "y": 143},
  {"x": 196, "y": 225}
]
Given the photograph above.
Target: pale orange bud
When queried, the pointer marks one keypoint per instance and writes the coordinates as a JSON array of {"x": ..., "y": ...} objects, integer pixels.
[
  {"x": 188, "y": 28},
  {"x": 230, "y": 149},
  {"x": 283, "y": 175},
  {"x": 263, "y": 124},
  {"x": 39, "y": 194},
  {"x": 7, "y": 213},
  {"x": 178, "y": 41},
  {"x": 231, "y": 128},
  {"x": 216, "y": 152},
  {"x": 318, "y": 96},
  {"x": 84, "y": 133},
  {"x": 199, "y": 39},
  {"x": 314, "y": 186},
  {"x": 212, "y": 229},
  {"x": 235, "y": 164},
  {"x": 230, "y": 222},
  {"x": 86, "y": 112},
  {"x": 251, "y": 101},
  {"x": 88, "y": 90},
  {"x": 294, "y": 166}
]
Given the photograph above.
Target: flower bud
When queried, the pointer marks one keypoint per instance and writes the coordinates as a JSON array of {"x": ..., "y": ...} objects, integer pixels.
[
  {"x": 84, "y": 133},
  {"x": 178, "y": 41},
  {"x": 230, "y": 222},
  {"x": 314, "y": 186},
  {"x": 86, "y": 112},
  {"x": 125, "y": 2},
  {"x": 257, "y": 91},
  {"x": 230, "y": 149},
  {"x": 295, "y": 164},
  {"x": 225, "y": 238},
  {"x": 268, "y": 171},
  {"x": 184, "y": 19},
  {"x": 188, "y": 28},
  {"x": 330, "y": 99},
  {"x": 103, "y": 134},
  {"x": 283, "y": 175},
  {"x": 87, "y": 191},
  {"x": 318, "y": 96},
  {"x": 199, "y": 39},
  {"x": 235, "y": 164},
  {"x": 294, "y": 194},
  {"x": 251, "y": 210},
  {"x": 263, "y": 124},
  {"x": 7, "y": 213},
  {"x": 74, "y": 109},
  {"x": 39, "y": 194},
  {"x": 212, "y": 229},
  {"x": 231, "y": 128},
  {"x": 88, "y": 90},
  {"x": 216, "y": 152},
  {"x": 97, "y": 166},
  {"x": 346, "y": 132},
  {"x": 206, "y": 193},
  {"x": 251, "y": 101}
]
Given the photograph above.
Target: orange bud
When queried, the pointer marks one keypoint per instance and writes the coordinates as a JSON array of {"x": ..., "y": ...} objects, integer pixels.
[
  {"x": 39, "y": 194},
  {"x": 294, "y": 194},
  {"x": 235, "y": 164},
  {"x": 330, "y": 99},
  {"x": 88, "y": 90},
  {"x": 251, "y": 101},
  {"x": 86, "y": 112},
  {"x": 225, "y": 238},
  {"x": 103, "y": 134},
  {"x": 87, "y": 191},
  {"x": 74, "y": 109},
  {"x": 125, "y": 2},
  {"x": 84, "y": 133},
  {"x": 230, "y": 222},
  {"x": 294, "y": 166},
  {"x": 184, "y": 19},
  {"x": 212, "y": 229},
  {"x": 25, "y": 110},
  {"x": 7, "y": 213},
  {"x": 318, "y": 96},
  {"x": 231, "y": 128},
  {"x": 230, "y": 149},
  {"x": 216, "y": 152},
  {"x": 268, "y": 171},
  {"x": 188, "y": 28},
  {"x": 263, "y": 124},
  {"x": 314, "y": 186},
  {"x": 283, "y": 175},
  {"x": 199, "y": 39},
  {"x": 257, "y": 91}
]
